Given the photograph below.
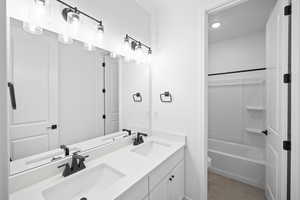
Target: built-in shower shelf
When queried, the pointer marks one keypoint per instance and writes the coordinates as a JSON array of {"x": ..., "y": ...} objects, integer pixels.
[
  {"x": 253, "y": 130},
  {"x": 255, "y": 108}
]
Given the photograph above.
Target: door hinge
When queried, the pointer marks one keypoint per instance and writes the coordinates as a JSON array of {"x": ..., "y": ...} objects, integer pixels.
[
  {"x": 287, "y": 78},
  {"x": 287, "y": 10},
  {"x": 103, "y": 90},
  {"x": 287, "y": 145},
  {"x": 103, "y": 64},
  {"x": 103, "y": 116}
]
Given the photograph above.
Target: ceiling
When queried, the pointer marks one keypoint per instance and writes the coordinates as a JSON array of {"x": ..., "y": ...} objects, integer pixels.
[{"x": 245, "y": 18}]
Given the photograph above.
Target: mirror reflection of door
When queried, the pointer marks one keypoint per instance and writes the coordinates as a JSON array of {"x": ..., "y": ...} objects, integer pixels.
[{"x": 33, "y": 72}]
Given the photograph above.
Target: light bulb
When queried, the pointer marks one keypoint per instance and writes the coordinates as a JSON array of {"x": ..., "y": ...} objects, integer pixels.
[
  {"x": 113, "y": 55},
  {"x": 126, "y": 48},
  {"x": 73, "y": 21},
  {"x": 32, "y": 28},
  {"x": 89, "y": 46},
  {"x": 36, "y": 17},
  {"x": 149, "y": 56},
  {"x": 65, "y": 38},
  {"x": 71, "y": 16},
  {"x": 100, "y": 33},
  {"x": 139, "y": 53},
  {"x": 216, "y": 25}
]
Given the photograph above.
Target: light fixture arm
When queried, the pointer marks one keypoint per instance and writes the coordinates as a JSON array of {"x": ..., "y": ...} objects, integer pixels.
[
  {"x": 127, "y": 38},
  {"x": 79, "y": 11}
]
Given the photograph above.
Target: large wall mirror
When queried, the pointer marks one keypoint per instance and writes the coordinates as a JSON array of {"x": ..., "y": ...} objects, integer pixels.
[{"x": 60, "y": 94}]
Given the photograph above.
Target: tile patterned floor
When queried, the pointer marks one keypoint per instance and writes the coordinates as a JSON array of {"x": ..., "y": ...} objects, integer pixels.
[{"x": 222, "y": 188}]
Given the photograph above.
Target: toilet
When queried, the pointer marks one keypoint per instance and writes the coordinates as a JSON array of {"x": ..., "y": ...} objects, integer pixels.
[{"x": 208, "y": 161}]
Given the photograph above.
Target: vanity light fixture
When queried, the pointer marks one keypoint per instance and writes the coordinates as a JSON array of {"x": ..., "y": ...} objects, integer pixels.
[
  {"x": 72, "y": 15},
  {"x": 36, "y": 17},
  {"x": 216, "y": 25},
  {"x": 133, "y": 46}
]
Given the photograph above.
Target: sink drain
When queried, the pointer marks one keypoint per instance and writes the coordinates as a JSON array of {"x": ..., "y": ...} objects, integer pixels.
[{"x": 83, "y": 198}]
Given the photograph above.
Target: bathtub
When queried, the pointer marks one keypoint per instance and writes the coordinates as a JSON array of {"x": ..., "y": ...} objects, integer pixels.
[{"x": 239, "y": 162}]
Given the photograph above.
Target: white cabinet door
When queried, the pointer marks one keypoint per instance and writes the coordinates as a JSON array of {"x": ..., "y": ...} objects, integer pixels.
[
  {"x": 161, "y": 191},
  {"x": 177, "y": 183},
  {"x": 171, "y": 187},
  {"x": 33, "y": 71},
  {"x": 277, "y": 48}
]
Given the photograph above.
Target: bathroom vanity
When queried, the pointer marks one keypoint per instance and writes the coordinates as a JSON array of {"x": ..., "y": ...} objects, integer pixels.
[{"x": 153, "y": 170}]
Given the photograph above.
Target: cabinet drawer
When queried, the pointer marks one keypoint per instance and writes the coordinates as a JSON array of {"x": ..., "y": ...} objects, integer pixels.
[
  {"x": 137, "y": 192},
  {"x": 165, "y": 168}
]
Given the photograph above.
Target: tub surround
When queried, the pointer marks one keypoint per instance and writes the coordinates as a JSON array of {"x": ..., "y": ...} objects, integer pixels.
[
  {"x": 141, "y": 166},
  {"x": 239, "y": 162}
]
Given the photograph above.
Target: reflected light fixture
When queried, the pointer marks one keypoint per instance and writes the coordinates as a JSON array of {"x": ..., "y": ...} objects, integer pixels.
[
  {"x": 149, "y": 56},
  {"x": 216, "y": 25},
  {"x": 65, "y": 38},
  {"x": 36, "y": 17},
  {"x": 126, "y": 48},
  {"x": 71, "y": 16},
  {"x": 89, "y": 46},
  {"x": 100, "y": 32},
  {"x": 139, "y": 52}
]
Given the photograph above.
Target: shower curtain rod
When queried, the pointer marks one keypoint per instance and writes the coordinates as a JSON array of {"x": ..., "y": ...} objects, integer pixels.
[{"x": 239, "y": 71}]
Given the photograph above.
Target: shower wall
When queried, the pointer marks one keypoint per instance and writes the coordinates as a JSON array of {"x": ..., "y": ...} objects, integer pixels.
[{"x": 237, "y": 101}]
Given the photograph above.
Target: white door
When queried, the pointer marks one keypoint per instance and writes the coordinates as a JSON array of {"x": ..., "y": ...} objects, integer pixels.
[
  {"x": 33, "y": 72},
  {"x": 111, "y": 95},
  {"x": 80, "y": 93},
  {"x": 277, "y": 51}
]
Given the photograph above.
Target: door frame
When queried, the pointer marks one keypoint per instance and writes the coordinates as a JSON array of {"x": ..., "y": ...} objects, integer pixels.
[
  {"x": 295, "y": 170},
  {"x": 203, "y": 69},
  {"x": 4, "y": 166},
  {"x": 202, "y": 61}
]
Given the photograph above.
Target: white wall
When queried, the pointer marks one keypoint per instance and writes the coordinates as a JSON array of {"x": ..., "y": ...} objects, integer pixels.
[
  {"x": 119, "y": 17},
  {"x": 245, "y": 52},
  {"x": 3, "y": 106},
  {"x": 175, "y": 69},
  {"x": 134, "y": 78}
]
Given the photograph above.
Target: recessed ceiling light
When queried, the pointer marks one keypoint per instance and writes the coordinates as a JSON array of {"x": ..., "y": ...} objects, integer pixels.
[{"x": 216, "y": 25}]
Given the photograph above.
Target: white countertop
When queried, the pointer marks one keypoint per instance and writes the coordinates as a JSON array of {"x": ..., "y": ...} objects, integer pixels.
[{"x": 134, "y": 166}]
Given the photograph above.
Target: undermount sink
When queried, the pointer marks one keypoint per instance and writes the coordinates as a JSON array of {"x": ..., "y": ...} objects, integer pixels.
[
  {"x": 151, "y": 148},
  {"x": 86, "y": 184}
]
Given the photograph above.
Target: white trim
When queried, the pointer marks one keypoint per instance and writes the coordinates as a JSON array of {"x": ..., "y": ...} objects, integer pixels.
[
  {"x": 295, "y": 185},
  {"x": 202, "y": 61},
  {"x": 3, "y": 104}
]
